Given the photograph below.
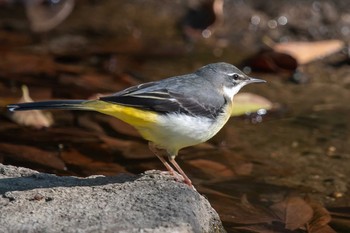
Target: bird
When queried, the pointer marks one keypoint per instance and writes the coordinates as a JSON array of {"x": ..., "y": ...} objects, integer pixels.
[{"x": 171, "y": 113}]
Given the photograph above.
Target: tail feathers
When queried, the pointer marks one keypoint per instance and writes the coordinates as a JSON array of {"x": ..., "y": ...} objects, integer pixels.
[{"x": 51, "y": 104}]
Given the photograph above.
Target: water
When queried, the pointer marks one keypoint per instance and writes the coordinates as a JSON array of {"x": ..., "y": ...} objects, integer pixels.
[{"x": 300, "y": 148}]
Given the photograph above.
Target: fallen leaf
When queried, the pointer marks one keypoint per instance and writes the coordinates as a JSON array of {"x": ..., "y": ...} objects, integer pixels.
[
  {"x": 32, "y": 154},
  {"x": 298, "y": 213},
  {"x": 20, "y": 64},
  {"x": 212, "y": 168},
  {"x": 129, "y": 149},
  {"x": 303, "y": 213},
  {"x": 320, "y": 219},
  {"x": 89, "y": 166},
  {"x": 269, "y": 60},
  {"x": 33, "y": 118},
  {"x": 243, "y": 169},
  {"x": 294, "y": 211},
  {"x": 305, "y": 52},
  {"x": 247, "y": 102},
  {"x": 15, "y": 39},
  {"x": 247, "y": 213}
]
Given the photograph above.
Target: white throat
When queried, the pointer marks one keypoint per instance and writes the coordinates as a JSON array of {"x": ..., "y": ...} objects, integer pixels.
[{"x": 232, "y": 91}]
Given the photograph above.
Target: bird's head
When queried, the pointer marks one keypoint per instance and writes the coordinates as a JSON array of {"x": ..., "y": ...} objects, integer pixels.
[{"x": 227, "y": 77}]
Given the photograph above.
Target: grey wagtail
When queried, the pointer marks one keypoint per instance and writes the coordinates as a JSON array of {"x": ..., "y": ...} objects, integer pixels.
[{"x": 172, "y": 113}]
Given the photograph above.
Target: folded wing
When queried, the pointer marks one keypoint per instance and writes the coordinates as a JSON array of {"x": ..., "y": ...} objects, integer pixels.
[{"x": 158, "y": 98}]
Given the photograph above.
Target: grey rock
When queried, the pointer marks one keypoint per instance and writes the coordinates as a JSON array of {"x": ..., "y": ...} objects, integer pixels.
[{"x": 151, "y": 202}]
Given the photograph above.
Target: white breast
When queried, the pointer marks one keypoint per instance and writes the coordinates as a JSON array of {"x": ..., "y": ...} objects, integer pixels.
[{"x": 175, "y": 131}]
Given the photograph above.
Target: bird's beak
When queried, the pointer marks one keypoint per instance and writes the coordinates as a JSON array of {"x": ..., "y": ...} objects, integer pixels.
[{"x": 255, "y": 80}]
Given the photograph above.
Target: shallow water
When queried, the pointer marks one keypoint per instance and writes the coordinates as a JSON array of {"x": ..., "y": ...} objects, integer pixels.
[{"x": 300, "y": 148}]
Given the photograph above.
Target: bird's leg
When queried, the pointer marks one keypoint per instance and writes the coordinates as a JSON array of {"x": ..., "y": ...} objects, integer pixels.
[
  {"x": 156, "y": 151},
  {"x": 178, "y": 168},
  {"x": 180, "y": 177}
]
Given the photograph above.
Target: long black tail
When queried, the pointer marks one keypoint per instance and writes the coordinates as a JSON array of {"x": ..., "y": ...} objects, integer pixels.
[{"x": 50, "y": 104}]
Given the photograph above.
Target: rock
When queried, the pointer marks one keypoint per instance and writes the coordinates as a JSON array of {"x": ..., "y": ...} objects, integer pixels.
[{"x": 150, "y": 202}]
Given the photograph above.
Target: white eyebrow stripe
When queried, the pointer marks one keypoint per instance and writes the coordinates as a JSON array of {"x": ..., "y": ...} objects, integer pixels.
[{"x": 231, "y": 74}]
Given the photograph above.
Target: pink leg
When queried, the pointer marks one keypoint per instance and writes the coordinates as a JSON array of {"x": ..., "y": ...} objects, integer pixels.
[
  {"x": 178, "y": 168},
  {"x": 182, "y": 176},
  {"x": 155, "y": 151}
]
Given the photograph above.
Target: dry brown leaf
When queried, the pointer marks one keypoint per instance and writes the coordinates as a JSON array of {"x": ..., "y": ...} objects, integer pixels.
[
  {"x": 320, "y": 219},
  {"x": 29, "y": 64},
  {"x": 279, "y": 209},
  {"x": 14, "y": 38},
  {"x": 31, "y": 154},
  {"x": 298, "y": 213},
  {"x": 129, "y": 149},
  {"x": 243, "y": 169},
  {"x": 294, "y": 211},
  {"x": 247, "y": 213},
  {"x": 212, "y": 168},
  {"x": 88, "y": 165},
  {"x": 305, "y": 52},
  {"x": 33, "y": 118},
  {"x": 268, "y": 60}
]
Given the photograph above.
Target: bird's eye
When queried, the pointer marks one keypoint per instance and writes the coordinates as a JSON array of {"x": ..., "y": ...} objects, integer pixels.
[{"x": 235, "y": 76}]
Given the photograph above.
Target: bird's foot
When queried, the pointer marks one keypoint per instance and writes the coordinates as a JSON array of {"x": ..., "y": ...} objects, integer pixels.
[{"x": 178, "y": 177}]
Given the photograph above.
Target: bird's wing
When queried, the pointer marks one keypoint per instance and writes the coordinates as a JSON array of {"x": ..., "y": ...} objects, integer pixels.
[{"x": 157, "y": 98}]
